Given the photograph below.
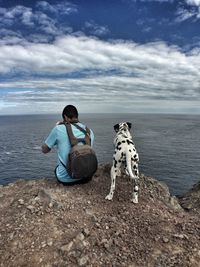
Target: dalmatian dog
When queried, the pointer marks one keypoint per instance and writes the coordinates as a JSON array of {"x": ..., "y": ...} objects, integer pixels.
[{"x": 125, "y": 155}]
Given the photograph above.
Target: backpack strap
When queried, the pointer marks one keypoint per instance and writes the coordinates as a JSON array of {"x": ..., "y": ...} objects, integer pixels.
[
  {"x": 87, "y": 139},
  {"x": 73, "y": 140}
]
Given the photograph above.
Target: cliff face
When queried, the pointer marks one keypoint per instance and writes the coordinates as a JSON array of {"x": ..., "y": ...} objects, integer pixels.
[
  {"x": 46, "y": 224},
  {"x": 190, "y": 201}
]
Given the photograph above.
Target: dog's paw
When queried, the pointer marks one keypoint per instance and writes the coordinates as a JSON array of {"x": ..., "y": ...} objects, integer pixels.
[
  {"x": 134, "y": 200},
  {"x": 108, "y": 197}
]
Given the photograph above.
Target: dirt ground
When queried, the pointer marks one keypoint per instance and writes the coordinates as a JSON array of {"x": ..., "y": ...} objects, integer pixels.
[{"x": 47, "y": 224}]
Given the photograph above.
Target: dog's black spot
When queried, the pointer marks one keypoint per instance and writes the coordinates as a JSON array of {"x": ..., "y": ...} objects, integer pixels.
[
  {"x": 135, "y": 156},
  {"x": 134, "y": 167},
  {"x": 119, "y": 143},
  {"x": 123, "y": 141},
  {"x": 129, "y": 142},
  {"x": 129, "y": 150},
  {"x": 119, "y": 160},
  {"x": 115, "y": 163},
  {"x": 115, "y": 170},
  {"x": 136, "y": 173},
  {"x": 122, "y": 154},
  {"x": 119, "y": 148}
]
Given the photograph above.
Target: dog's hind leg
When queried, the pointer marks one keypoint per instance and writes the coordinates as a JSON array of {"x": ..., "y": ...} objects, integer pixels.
[
  {"x": 113, "y": 174},
  {"x": 135, "y": 183}
]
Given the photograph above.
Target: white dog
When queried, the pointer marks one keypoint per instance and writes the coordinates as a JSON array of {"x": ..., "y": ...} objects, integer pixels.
[{"x": 126, "y": 154}]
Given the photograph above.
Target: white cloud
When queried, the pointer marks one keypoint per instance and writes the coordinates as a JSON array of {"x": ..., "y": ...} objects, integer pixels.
[
  {"x": 63, "y": 8},
  {"x": 184, "y": 14},
  {"x": 192, "y": 10},
  {"x": 160, "y": 1},
  {"x": 193, "y": 2},
  {"x": 42, "y": 22},
  {"x": 96, "y": 29},
  {"x": 114, "y": 73},
  {"x": 70, "y": 53}
]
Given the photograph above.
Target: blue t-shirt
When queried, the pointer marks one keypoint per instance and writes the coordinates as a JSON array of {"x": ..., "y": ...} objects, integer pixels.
[{"x": 59, "y": 139}]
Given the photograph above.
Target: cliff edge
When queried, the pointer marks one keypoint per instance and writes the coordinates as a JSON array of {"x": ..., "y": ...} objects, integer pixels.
[{"x": 47, "y": 224}]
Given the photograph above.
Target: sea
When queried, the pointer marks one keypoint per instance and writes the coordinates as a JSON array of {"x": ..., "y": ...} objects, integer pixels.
[{"x": 168, "y": 146}]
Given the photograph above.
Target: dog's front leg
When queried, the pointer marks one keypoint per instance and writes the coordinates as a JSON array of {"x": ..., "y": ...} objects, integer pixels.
[
  {"x": 135, "y": 191},
  {"x": 113, "y": 179}
]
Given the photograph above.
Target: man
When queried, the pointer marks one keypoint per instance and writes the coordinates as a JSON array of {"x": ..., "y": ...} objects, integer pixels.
[{"x": 58, "y": 137}]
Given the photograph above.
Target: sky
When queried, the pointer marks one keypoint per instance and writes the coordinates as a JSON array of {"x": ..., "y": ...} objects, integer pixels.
[{"x": 103, "y": 56}]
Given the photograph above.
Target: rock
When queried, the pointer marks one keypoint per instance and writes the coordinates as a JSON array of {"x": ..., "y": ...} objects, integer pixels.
[
  {"x": 86, "y": 232},
  {"x": 80, "y": 237},
  {"x": 31, "y": 208},
  {"x": 175, "y": 204},
  {"x": 67, "y": 247},
  {"x": 165, "y": 240},
  {"x": 45, "y": 196},
  {"x": 21, "y": 201},
  {"x": 181, "y": 236},
  {"x": 83, "y": 261},
  {"x": 49, "y": 243},
  {"x": 191, "y": 199}
]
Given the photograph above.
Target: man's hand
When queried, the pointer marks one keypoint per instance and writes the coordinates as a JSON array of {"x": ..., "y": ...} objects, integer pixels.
[{"x": 45, "y": 149}]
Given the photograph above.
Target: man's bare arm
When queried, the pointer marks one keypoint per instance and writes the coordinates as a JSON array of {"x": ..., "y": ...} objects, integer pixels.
[{"x": 45, "y": 149}]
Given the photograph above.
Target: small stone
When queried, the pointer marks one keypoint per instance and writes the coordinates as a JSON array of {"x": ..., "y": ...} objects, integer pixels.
[
  {"x": 67, "y": 247},
  {"x": 165, "y": 240},
  {"x": 50, "y": 243},
  {"x": 97, "y": 225},
  {"x": 30, "y": 207},
  {"x": 86, "y": 232},
  {"x": 21, "y": 201},
  {"x": 80, "y": 237},
  {"x": 83, "y": 260},
  {"x": 20, "y": 245},
  {"x": 11, "y": 236},
  {"x": 50, "y": 205}
]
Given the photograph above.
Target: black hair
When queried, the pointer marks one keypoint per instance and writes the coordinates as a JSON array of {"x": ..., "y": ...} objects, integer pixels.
[{"x": 70, "y": 111}]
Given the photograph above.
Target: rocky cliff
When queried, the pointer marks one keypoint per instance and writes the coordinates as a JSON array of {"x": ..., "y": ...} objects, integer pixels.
[{"x": 46, "y": 224}]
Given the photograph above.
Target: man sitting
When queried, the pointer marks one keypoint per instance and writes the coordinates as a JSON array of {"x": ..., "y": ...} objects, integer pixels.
[{"x": 59, "y": 138}]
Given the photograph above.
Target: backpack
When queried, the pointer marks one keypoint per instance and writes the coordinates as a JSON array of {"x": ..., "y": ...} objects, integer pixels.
[{"x": 82, "y": 160}]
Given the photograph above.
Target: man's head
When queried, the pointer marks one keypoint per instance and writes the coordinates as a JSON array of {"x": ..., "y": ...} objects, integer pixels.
[{"x": 70, "y": 113}]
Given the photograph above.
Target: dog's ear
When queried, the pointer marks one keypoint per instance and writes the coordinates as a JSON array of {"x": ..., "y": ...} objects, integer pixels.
[
  {"x": 116, "y": 127},
  {"x": 129, "y": 125}
]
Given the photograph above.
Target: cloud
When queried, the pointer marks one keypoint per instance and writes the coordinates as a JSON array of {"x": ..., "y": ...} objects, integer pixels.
[
  {"x": 192, "y": 10},
  {"x": 76, "y": 54},
  {"x": 38, "y": 20},
  {"x": 193, "y": 2},
  {"x": 17, "y": 13},
  {"x": 63, "y": 8},
  {"x": 96, "y": 29},
  {"x": 93, "y": 72},
  {"x": 183, "y": 14},
  {"x": 160, "y": 1}
]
